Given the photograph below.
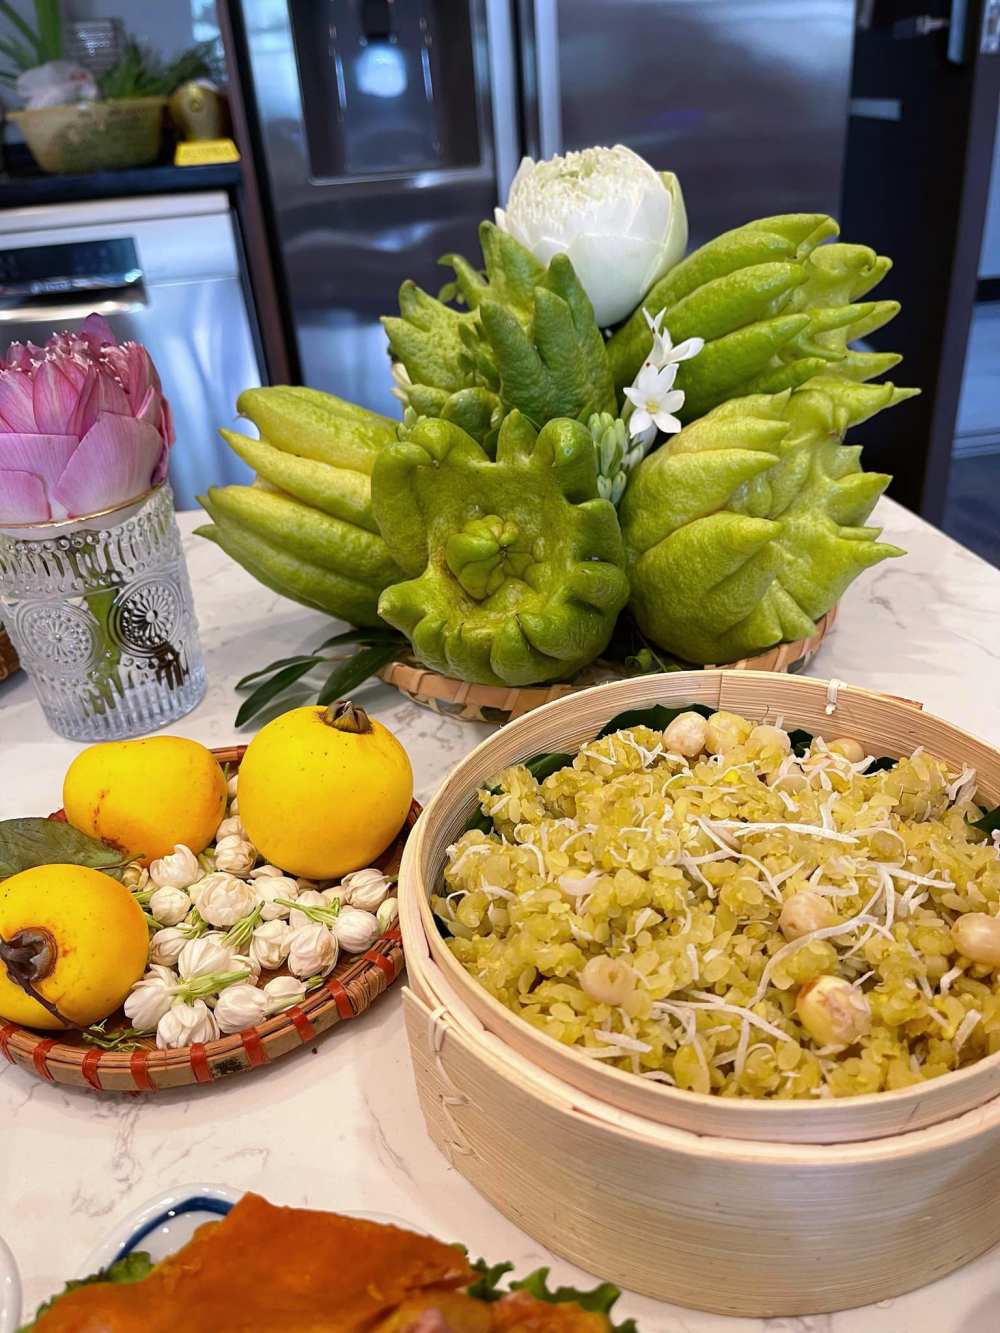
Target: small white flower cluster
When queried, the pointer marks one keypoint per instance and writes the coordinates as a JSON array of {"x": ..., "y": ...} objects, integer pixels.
[{"x": 222, "y": 920}]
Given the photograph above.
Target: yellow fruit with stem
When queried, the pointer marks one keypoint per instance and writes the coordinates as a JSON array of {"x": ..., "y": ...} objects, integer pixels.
[
  {"x": 324, "y": 790},
  {"x": 147, "y": 795},
  {"x": 73, "y": 943}
]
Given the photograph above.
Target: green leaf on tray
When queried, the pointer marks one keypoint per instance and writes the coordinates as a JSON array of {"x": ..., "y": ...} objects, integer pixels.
[
  {"x": 487, "y": 1286},
  {"x": 271, "y": 688},
  {"x": 26, "y": 843},
  {"x": 134, "y": 1267},
  {"x": 988, "y": 821},
  {"x": 657, "y": 716},
  {"x": 347, "y": 676}
]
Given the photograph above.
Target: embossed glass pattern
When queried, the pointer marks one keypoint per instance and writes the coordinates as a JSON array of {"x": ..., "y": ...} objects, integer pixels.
[{"x": 101, "y": 615}]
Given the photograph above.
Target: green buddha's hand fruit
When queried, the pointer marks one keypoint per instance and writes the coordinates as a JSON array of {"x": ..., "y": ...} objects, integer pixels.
[
  {"x": 775, "y": 307},
  {"x": 746, "y": 527},
  {"x": 306, "y": 528},
  {"x": 516, "y": 565}
]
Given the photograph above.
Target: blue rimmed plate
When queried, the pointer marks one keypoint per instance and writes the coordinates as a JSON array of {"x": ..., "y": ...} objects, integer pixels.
[{"x": 161, "y": 1226}]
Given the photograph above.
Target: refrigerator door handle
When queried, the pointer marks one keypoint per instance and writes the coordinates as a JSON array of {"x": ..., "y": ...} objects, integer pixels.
[
  {"x": 98, "y": 303},
  {"x": 547, "y": 78}
]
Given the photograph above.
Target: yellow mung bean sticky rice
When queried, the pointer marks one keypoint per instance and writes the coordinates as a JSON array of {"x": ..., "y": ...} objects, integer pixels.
[{"x": 703, "y": 908}]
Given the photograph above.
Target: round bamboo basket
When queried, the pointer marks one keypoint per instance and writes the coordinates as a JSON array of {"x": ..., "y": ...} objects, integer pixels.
[
  {"x": 354, "y": 985},
  {"x": 740, "y": 1207},
  {"x": 503, "y": 703},
  {"x": 8, "y": 658}
]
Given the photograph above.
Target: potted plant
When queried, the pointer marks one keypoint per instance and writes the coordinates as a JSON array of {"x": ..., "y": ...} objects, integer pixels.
[{"x": 75, "y": 123}]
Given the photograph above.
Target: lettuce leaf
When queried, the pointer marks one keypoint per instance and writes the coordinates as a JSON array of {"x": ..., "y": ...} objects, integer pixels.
[
  {"x": 133, "y": 1267},
  {"x": 601, "y": 1300}
]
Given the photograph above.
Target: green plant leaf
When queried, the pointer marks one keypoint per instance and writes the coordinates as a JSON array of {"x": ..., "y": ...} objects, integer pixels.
[
  {"x": 988, "y": 821},
  {"x": 48, "y": 17},
  {"x": 657, "y": 716},
  {"x": 544, "y": 765},
  {"x": 277, "y": 684},
  {"x": 376, "y": 634},
  {"x": 247, "y": 681},
  {"x": 134, "y": 1267},
  {"x": 14, "y": 18},
  {"x": 487, "y": 1285},
  {"x": 26, "y": 843},
  {"x": 601, "y": 1300},
  {"x": 17, "y": 52},
  {"x": 347, "y": 676}
]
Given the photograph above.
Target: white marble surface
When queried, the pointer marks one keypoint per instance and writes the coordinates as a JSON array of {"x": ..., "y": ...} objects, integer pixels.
[{"x": 341, "y": 1128}]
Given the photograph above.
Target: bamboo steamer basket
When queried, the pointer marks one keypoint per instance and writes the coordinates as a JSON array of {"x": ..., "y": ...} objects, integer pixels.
[{"x": 739, "y": 1207}]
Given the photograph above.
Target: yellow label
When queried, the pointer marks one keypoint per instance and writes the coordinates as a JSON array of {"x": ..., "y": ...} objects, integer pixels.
[{"x": 204, "y": 152}]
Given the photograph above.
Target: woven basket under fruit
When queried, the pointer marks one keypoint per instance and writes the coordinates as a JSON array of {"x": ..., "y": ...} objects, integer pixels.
[
  {"x": 8, "y": 658},
  {"x": 503, "y": 703},
  {"x": 353, "y": 986}
]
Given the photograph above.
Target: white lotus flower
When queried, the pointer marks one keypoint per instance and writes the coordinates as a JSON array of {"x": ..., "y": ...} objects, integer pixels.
[{"x": 622, "y": 224}]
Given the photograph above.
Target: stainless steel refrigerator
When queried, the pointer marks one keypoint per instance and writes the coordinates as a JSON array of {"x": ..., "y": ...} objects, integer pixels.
[{"x": 386, "y": 129}]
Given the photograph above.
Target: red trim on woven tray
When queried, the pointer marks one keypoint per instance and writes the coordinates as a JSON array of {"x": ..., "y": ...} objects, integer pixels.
[
  {"x": 302, "y": 1025},
  {"x": 254, "y": 1047},
  {"x": 341, "y": 998},
  {"x": 88, "y": 1069},
  {"x": 6, "y": 1032},
  {"x": 39, "y": 1058},
  {"x": 199, "y": 1063},
  {"x": 139, "y": 1069},
  {"x": 383, "y": 964}
]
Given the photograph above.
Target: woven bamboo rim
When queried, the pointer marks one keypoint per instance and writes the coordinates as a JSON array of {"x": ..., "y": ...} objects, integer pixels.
[
  {"x": 8, "y": 657},
  {"x": 885, "y": 723},
  {"x": 502, "y": 703},
  {"x": 353, "y": 986}
]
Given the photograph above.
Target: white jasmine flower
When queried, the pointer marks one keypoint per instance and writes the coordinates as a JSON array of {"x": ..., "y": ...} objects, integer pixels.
[
  {"x": 312, "y": 951},
  {"x": 179, "y": 870},
  {"x": 231, "y": 786},
  {"x": 365, "y": 889},
  {"x": 270, "y": 944},
  {"x": 169, "y": 906},
  {"x": 267, "y": 889},
  {"x": 185, "y": 1024},
  {"x": 282, "y": 993},
  {"x": 203, "y": 957},
  {"x": 310, "y": 898},
  {"x": 150, "y": 998},
  {"x": 222, "y": 899},
  {"x": 231, "y": 827},
  {"x": 166, "y": 945},
  {"x": 387, "y": 915},
  {"x": 265, "y": 871},
  {"x": 240, "y": 1007},
  {"x": 235, "y": 855},
  {"x": 356, "y": 931}
]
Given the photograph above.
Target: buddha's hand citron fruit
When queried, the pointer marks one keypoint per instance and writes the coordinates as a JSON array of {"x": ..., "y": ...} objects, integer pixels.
[
  {"x": 145, "y": 796},
  {"x": 73, "y": 943},
  {"x": 324, "y": 790}
]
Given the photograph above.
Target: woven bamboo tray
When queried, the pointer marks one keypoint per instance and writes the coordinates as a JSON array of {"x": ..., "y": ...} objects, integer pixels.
[
  {"x": 502, "y": 704},
  {"x": 353, "y": 986},
  {"x": 739, "y": 1207},
  {"x": 8, "y": 658}
]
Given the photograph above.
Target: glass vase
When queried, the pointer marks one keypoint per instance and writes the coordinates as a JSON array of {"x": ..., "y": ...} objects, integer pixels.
[{"x": 100, "y": 612}]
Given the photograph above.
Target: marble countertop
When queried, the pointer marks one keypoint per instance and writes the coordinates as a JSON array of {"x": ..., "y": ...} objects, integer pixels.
[{"x": 340, "y": 1128}]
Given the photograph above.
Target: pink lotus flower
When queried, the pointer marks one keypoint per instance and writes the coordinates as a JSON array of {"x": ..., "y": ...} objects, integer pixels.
[{"x": 84, "y": 425}]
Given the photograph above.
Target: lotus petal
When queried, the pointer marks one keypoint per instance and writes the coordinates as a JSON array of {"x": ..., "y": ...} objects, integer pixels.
[
  {"x": 19, "y": 357},
  {"x": 22, "y": 498},
  {"x": 114, "y": 462},
  {"x": 111, "y": 397},
  {"x": 54, "y": 397},
  {"x": 97, "y": 332},
  {"x": 44, "y": 455},
  {"x": 16, "y": 397}
]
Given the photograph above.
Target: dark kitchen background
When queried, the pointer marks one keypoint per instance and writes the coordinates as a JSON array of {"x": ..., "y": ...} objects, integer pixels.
[{"x": 374, "y": 134}]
